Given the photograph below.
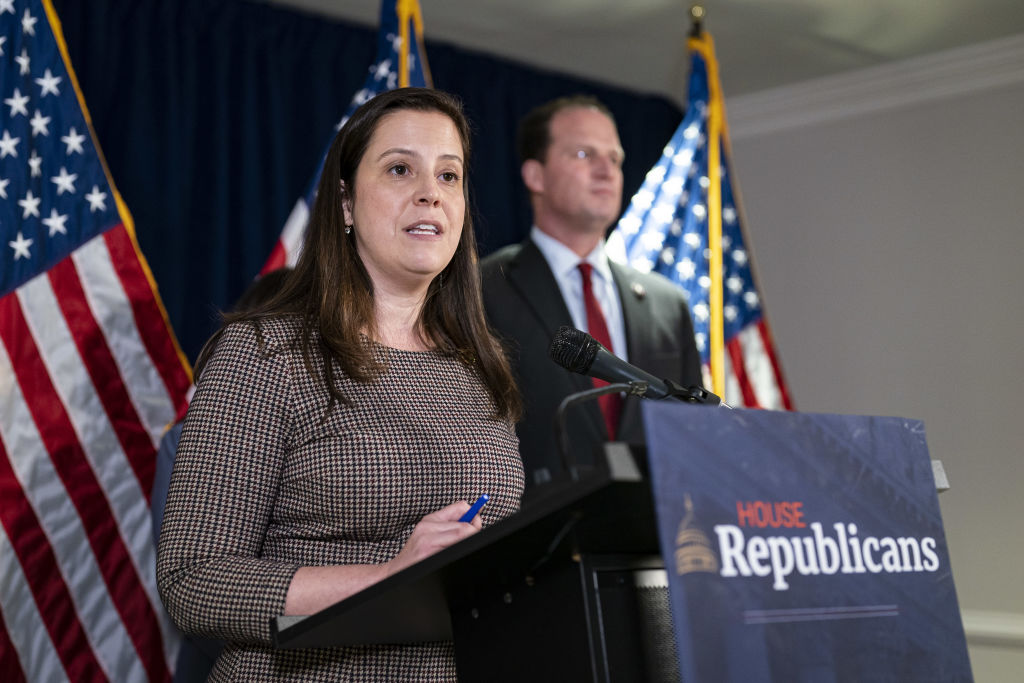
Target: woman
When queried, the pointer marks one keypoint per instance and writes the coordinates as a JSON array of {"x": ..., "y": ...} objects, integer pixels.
[{"x": 339, "y": 430}]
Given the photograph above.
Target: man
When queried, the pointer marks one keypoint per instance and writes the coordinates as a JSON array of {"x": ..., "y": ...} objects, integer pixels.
[{"x": 572, "y": 166}]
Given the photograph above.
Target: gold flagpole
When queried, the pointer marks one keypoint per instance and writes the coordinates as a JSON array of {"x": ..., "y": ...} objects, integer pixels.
[
  {"x": 409, "y": 11},
  {"x": 700, "y": 41}
]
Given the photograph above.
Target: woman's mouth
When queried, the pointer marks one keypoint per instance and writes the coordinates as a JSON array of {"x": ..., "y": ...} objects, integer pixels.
[{"x": 424, "y": 229}]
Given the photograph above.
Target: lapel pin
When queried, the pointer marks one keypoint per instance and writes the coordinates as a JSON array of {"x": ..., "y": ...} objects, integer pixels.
[{"x": 638, "y": 290}]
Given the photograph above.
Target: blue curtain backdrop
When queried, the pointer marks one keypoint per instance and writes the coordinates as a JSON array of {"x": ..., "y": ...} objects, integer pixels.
[{"x": 212, "y": 115}]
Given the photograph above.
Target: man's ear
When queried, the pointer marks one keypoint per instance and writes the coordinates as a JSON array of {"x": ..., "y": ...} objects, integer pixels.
[
  {"x": 346, "y": 204},
  {"x": 533, "y": 175}
]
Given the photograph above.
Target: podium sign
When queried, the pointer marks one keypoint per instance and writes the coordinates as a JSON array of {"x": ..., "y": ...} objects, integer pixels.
[{"x": 803, "y": 547}]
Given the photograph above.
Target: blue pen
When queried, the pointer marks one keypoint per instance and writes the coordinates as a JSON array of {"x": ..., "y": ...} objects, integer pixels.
[{"x": 472, "y": 512}]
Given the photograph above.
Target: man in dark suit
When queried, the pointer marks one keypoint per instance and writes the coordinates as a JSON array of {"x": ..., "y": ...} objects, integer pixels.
[{"x": 572, "y": 166}]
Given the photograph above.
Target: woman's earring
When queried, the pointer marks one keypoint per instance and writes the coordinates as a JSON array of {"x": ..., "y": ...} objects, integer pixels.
[{"x": 348, "y": 229}]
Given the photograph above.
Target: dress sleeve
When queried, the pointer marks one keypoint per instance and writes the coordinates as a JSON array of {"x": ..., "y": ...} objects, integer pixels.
[{"x": 226, "y": 475}]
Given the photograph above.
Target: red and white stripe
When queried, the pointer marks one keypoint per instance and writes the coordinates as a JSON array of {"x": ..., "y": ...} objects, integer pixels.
[
  {"x": 753, "y": 374},
  {"x": 289, "y": 244},
  {"x": 89, "y": 379}
]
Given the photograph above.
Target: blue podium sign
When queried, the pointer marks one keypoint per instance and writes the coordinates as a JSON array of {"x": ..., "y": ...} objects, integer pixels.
[{"x": 803, "y": 548}]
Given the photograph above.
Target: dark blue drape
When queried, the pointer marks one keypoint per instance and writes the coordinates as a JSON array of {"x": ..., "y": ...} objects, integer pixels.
[{"x": 212, "y": 115}]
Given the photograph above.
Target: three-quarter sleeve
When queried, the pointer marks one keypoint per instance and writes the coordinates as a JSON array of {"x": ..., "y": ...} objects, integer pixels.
[{"x": 226, "y": 475}]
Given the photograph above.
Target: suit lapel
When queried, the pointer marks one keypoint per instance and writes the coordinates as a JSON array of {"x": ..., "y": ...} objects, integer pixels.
[
  {"x": 529, "y": 274},
  {"x": 532, "y": 278},
  {"x": 637, "y": 319},
  {"x": 636, "y": 312}
]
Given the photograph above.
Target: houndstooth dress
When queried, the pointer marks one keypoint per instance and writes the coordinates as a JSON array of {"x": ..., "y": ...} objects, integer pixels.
[{"x": 262, "y": 485}]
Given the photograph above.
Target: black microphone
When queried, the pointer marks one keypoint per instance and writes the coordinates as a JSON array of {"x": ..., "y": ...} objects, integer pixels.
[{"x": 577, "y": 351}]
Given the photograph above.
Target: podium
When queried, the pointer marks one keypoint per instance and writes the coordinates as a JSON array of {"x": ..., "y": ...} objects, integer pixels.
[
  {"x": 570, "y": 588},
  {"x": 797, "y": 547}
]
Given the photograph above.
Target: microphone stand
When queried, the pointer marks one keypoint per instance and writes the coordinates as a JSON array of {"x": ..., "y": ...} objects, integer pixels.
[
  {"x": 632, "y": 388},
  {"x": 693, "y": 394}
]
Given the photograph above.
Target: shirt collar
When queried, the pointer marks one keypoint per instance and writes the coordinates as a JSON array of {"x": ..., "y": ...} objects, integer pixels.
[{"x": 564, "y": 260}]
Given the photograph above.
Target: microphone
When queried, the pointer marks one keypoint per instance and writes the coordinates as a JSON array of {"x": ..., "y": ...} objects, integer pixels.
[{"x": 577, "y": 351}]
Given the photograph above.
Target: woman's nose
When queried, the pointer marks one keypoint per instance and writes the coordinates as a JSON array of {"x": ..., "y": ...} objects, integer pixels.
[{"x": 427, "y": 193}]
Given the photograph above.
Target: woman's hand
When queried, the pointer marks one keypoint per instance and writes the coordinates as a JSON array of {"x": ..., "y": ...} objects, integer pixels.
[
  {"x": 314, "y": 588},
  {"x": 435, "y": 532}
]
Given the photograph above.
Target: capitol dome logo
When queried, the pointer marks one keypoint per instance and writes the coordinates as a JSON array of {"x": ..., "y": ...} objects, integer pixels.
[{"x": 694, "y": 552}]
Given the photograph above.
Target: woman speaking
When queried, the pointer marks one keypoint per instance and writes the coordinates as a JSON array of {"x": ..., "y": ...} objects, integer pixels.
[{"x": 339, "y": 431}]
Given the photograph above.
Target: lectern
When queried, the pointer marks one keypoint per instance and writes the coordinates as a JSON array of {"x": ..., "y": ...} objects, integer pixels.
[
  {"x": 799, "y": 547},
  {"x": 571, "y": 588}
]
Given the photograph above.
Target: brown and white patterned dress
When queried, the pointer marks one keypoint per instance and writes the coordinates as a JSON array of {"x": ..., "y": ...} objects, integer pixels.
[{"x": 262, "y": 485}]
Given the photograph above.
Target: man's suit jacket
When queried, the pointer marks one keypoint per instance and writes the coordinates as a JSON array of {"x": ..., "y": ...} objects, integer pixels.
[{"x": 525, "y": 308}]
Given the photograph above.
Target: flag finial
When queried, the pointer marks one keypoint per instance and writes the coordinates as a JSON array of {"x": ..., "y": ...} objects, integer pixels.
[{"x": 697, "y": 14}]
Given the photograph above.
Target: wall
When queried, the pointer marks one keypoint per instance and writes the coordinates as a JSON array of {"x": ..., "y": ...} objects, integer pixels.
[{"x": 885, "y": 211}]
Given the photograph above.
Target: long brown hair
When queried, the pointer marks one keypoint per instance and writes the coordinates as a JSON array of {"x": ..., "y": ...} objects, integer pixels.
[{"x": 333, "y": 294}]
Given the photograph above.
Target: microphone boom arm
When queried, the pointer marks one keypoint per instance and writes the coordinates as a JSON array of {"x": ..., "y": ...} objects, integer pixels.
[{"x": 632, "y": 388}]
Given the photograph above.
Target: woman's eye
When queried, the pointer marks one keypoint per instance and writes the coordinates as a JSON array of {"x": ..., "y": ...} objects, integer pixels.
[
  {"x": 400, "y": 169},
  {"x": 449, "y": 177}
]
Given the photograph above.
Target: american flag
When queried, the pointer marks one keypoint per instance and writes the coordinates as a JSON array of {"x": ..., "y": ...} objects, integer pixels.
[
  {"x": 89, "y": 378},
  {"x": 401, "y": 62},
  {"x": 684, "y": 223}
]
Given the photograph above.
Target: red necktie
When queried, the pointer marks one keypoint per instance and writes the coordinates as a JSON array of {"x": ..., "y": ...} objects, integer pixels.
[{"x": 611, "y": 404}]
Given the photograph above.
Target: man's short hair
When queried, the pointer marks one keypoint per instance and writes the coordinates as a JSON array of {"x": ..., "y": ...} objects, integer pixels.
[{"x": 535, "y": 129}]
